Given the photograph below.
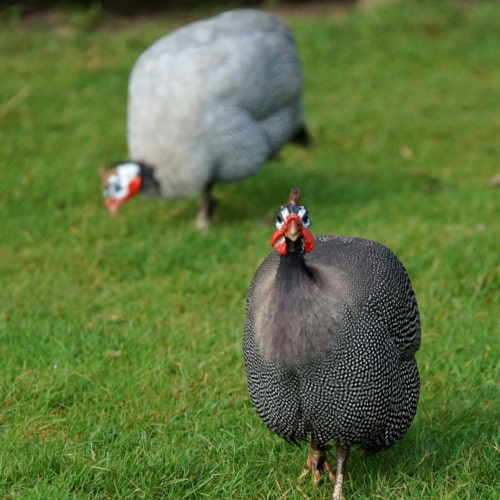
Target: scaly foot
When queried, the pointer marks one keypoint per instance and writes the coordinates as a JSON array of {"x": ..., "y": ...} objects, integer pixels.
[{"x": 317, "y": 464}]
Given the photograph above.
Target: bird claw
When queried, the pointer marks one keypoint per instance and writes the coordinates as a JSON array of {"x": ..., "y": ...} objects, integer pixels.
[{"x": 317, "y": 464}]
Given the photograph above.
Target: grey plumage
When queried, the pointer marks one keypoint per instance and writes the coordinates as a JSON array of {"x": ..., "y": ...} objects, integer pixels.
[
  {"x": 329, "y": 345},
  {"x": 214, "y": 100}
]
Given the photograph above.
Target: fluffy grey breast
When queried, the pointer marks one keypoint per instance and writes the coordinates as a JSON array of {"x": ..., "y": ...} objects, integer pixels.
[
  {"x": 214, "y": 100},
  {"x": 354, "y": 379}
]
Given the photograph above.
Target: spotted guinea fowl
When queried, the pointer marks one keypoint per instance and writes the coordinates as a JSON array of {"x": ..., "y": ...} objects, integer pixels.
[
  {"x": 329, "y": 345},
  {"x": 210, "y": 102}
]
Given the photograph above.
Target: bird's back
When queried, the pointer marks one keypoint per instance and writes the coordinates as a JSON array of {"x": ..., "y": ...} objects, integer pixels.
[
  {"x": 353, "y": 377},
  {"x": 214, "y": 99}
]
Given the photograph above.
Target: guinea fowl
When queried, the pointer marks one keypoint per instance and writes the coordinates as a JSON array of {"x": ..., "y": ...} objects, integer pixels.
[
  {"x": 210, "y": 102},
  {"x": 330, "y": 341}
]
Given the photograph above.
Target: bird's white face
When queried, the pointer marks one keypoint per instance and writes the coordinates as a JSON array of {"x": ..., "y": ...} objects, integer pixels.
[
  {"x": 120, "y": 184},
  {"x": 292, "y": 223},
  {"x": 284, "y": 212}
]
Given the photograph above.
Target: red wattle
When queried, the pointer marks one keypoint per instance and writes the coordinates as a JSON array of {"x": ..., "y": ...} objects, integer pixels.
[
  {"x": 134, "y": 187},
  {"x": 308, "y": 240},
  {"x": 280, "y": 246},
  {"x": 278, "y": 241}
]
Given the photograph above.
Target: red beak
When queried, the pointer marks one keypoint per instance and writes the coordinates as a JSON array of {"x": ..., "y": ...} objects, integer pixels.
[{"x": 113, "y": 205}]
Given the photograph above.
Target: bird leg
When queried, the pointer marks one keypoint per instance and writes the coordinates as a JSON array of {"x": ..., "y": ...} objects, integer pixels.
[
  {"x": 302, "y": 136},
  {"x": 206, "y": 208},
  {"x": 317, "y": 462},
  {"x": 342, "y": 454}
]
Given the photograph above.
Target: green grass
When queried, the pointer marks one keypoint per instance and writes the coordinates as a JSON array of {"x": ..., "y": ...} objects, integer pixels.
[{"x": 120, "y": 340}]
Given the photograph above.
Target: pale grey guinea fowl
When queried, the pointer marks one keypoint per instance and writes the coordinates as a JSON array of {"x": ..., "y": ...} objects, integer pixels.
[
  {"x": 329, "y": 344},
  {"x": 210, "y": 102}
]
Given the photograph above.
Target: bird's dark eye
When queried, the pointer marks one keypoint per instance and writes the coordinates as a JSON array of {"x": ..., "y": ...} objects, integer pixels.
[
  {"x": 304, "y": 216},
  {"x": 114, "y": 188}
]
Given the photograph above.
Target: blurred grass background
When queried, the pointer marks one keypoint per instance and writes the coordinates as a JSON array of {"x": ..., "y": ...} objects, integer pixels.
[{"x": 120, "y": 339}]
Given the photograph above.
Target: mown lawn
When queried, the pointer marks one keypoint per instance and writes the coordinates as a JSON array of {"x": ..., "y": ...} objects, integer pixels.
[{"x": 120, "y": 339}]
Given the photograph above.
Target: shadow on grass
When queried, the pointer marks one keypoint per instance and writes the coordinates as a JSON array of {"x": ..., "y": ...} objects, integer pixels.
[{"x": 325, "y": 192}]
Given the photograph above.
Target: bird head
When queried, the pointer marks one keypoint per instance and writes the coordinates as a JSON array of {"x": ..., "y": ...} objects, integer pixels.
[
  {"x": 120, "y": 184},
  {"x": 292, "y": 226}
]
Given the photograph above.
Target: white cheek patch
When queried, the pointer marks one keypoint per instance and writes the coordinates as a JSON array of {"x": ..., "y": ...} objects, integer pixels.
[
  {"x": 127, "y": 171},
  {"x": 118, "y": 184},
  {"x": 114, "y": 187},
  {"x": 302, "y": 212},
  {"x": 284, "y": 213}
]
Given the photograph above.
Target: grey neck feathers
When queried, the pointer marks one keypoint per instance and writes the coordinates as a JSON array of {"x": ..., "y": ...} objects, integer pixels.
[
  {"x": 301, "y": 311},
  {"x": 149, "y": 183}
]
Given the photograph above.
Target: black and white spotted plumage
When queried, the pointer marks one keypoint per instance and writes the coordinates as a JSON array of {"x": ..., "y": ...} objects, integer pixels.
[{"x": 329, "y": 344}]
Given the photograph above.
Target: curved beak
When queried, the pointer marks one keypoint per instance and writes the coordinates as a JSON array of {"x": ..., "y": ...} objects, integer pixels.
[
  {"x": 113, "y": 205},
  {"x": 293, "y": 229}
]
